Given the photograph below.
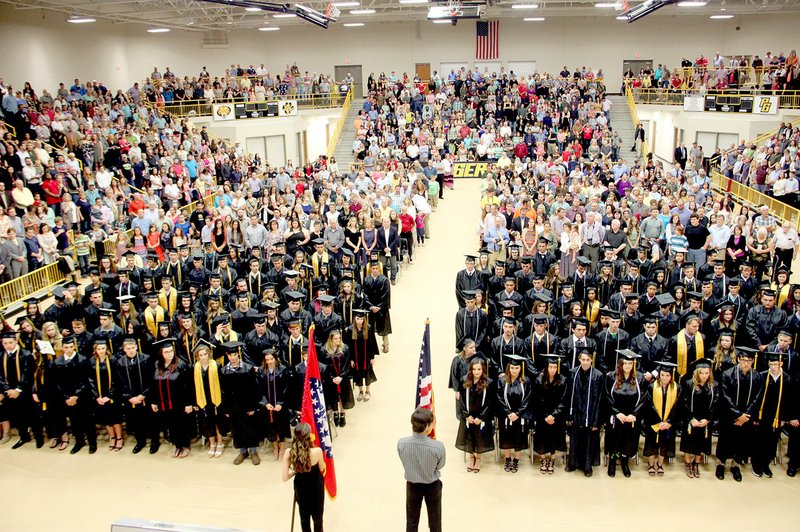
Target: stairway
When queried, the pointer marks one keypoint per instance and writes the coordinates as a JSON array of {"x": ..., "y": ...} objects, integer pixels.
[
  {"x": 622, "y": 122},
  {"x": 344, "y": 149}
]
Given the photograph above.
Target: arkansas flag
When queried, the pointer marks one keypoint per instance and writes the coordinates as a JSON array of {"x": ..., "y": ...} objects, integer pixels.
[
  {"x": 424, "y": 378},
  {"x": 315, "y": 414}
]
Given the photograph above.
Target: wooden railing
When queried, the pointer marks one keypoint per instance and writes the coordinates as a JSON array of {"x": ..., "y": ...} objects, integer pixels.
[
  {"x": 635, "y": 118},
  {"x": 337, "y": 132}
]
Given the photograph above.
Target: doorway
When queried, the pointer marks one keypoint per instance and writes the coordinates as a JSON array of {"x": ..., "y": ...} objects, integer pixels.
[
  {"x": 340, "y": 72},
  {"x": 423, "y": 71},
  {"x": 636, "y": 65}
]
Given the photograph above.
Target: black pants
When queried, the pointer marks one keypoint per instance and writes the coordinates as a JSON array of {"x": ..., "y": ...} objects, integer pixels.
[
  {"x": 20, "y": 412},
  {"x": 432, "y": 493},
  {"x": 408, "y": 238},
  {"x": 81, "y": 422},
  {"x": 782, "y": 256},
  {"x": 765, "y": 443},
  {"x": 138, "y": 420},
  {"x": 440, "y": 180}
]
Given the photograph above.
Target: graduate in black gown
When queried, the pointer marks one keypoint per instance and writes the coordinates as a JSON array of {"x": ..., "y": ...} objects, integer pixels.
[
  {"x": 699, "y": 400},
  {"x": 776, "y": 405},
  {"x": 135, "y": 372},
  {"x": 241, "y": 396},
  {"x": 472, "y": 323},
  {"x": 583, "y": 414},
  {"x": 459, "y": 368},
  {"x": 513, "y": 410},
  {"x": 104, "y": 390},
  {"x": 378, "y": 298},
  {"x": 549, "y": 401},
  {"x": 740, "y": 386},
  {"x": 360, "y": 340},
  {"x": 171, "y": 398},
  {"x": 16, "y": 385},
  {"x": 71, "y": 380},
  {"x": 467, "y": 279},
  {"x": 274, "y": 382},
  {"x": 660, "y": 419},
  {"x": 337, "y": 382},
  {"x": 476, "y": 427},
  {"x": 208, "y": 398},
  {"x": 626, "y": 399}
]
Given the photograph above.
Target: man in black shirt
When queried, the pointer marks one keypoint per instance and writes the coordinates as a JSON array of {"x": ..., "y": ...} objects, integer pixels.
[{"x": 699, "y": 239}]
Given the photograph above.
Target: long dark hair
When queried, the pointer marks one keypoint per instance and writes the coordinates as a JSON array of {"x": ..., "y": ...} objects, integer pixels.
[
  {"x": 619, "y": 376},
  {"x": 300, "y": 451},
  {"x": 482, "y": 382}
]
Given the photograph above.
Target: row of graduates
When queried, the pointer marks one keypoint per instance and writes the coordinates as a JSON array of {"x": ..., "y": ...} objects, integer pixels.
[
  {"x": 749, "y": 409},
  {"x": 660, "y": 335},
  {"x": 164, "y": 393}
]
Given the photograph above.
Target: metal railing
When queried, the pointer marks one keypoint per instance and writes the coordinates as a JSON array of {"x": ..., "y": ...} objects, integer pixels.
[
  {"x": 23, "y": 287},
  {"x": 337, "y": 132},
  {"x": 635, "y": 118},
  {"x": 753, "y": 198},
  {"x": 786, "y": 99},
  {"x": 192, "y": 108}
]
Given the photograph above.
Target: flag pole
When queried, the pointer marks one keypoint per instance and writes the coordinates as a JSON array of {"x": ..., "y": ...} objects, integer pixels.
[{"x": 294, "y": 507}]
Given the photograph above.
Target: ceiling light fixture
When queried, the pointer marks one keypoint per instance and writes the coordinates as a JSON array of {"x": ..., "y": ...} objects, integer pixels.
[
  {"x": 533, "y": 19},
  {"x": 622, "y": 17},
  {"x": 158, "y": 30},
  {"x": 606, "y": 4},
  {"x": 253, "y": 9},
  {"x": 353, "y": 24},
  {"x": 346, "y": 4},
  {"x": 692, "y": 3},
  {"x": 273, "y": 28},
  {"x": 413, "y": 1},
  {"x": 362, "y": 11},
  {"x": 80, "y": 20},
  {"x": 442, "y": 21},
  {"x": 284, "y": 15},
  {"x": 524, "y": 6},
  {"x": 720, "y": 17}
]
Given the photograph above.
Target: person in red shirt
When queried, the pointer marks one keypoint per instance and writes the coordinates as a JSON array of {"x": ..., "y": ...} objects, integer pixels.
[
  {"x": 521, "y": 150},
  {"x": 52, "y": 193},
  {"x": 407, "y": 226},
  {"x": 136, "y": 205}
]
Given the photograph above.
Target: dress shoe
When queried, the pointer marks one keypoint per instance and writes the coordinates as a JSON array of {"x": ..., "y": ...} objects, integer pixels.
[
  {"x": 92, "y": 448},
  {"x": 255, "y": 458},
  {"x": 791, "y": 471},
  {"x": 20, "y": 443},
  {"x": 767, "y": 472},
  {"x": 39, "y": 442},
  {"x": 736, "y": 473},
  {"x": 612, "y": 467},
  {"x": 720, "y": 472},
  {"x": 626, "y": 470},
  {"x": 138, "y": 448},
  {"x": 342, "y": 420},
  {"x": 239, "y": 458},
  {"x": 570, "y": 468},
  {"x": 154, "y": 447},
  {"x": 77, "y": 448},
  {"x": 587, "y": 473}
]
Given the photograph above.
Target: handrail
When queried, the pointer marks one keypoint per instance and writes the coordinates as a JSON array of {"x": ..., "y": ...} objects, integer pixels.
[
  {"x": 204, "y": 107},
  {"x": 752, "y": 197},
  {"x": 26, "y": 285},
  {"x": 635, "y": 118},
  {"x": 337, "y": 132},
  {"x": 11, "y": 129},
  {"x": 668, "y": 96}
]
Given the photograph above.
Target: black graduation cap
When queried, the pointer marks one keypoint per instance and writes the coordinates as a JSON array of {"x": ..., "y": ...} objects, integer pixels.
[
  {"x": 294, "y": 295},
  {"x": 305, "y": 266},
  {"x": 668, "y": 367},
  {"x": 184, "y": 316},
  {"x": 538, "y": 277},
  {"x": 269, "y": 351},
  {"x": 152, "y": 256},
  {"x": 212, "y": 275},
  {"x": 509, "y": 321},
  {"x": 652, "y": 283},
  {"x": 259, "y": 318},
  {"x": 152, "y": 295},
  {"x": 58, "y": 292},
  {"x": 509, "y": 304},
  {"x": 360, "y": 312},
  {"x": 783, "y": 269},
  {"x": 470, "y": 258},
  {"x": 515, "y": 360},
  {"x": 773, "y": 356},
  {"x": 735, "y": 281},
  {"x": 784, "y": 332},
  {"x": 746, "y": 352},
  {"x": 107, "y": 312},
  {"x": 243, "y": 295},
  {"x": 66, "y": 339},
  {"x": 580, "y": 320},
  {"x": 129, "y": 253},
  {"x": 197, "y": 256},
  {"x": 633, "y": 264},
  {"x": 644, "y": 248},
  {"x": 584, "y": 261},
  {"x": 706, "y": 280},
  {"x": 624, "y": 282},
  {"x": 318, "y": 241},
  {"x": 348, "y": 252},
  {"x": 166, "y": 342},
  {"x": 552, "y": 359},
  {"x": 717, "y": 262},
  {"x": 725, "y": 305},
  {"x": 610, "y": 313},
  {"x": 222, "y": 257},
  {"x": 566, "y": 284},
  {"x": 540, "y": 319},
  {"x": 468, "y": 294},
  {"x": 699, "y": 364},
  {"x": 201, "y": 343},
  {"x": 221, "y": 319},
  {"x": 123, "y": 271},
  {"x": 542, "y": 297},
  {"x": 271, "y": 305},
  {"x": 94, "y": 271},
  {"x": 769, "y": 292},
  {"x": 650, "y": 318},
  {"x": 602, "y": 263},
  {"x": 687, "y": 264},
  {"x": 508, "y": 278},
  {"x": 631, "y": 297},
  {"x": 694, "y": 296},
  {"x": 101, "y": 341},
  {"x": 627, "y": 354},
  {"x": 326, "y": 300},
  {"x": 500, "y": 263},
  {"x": 71, "y": 284},
  {"x": 231, "y": 347},
  {"x": 8, "y": 334},
  {"x": 525, "y": 260}
]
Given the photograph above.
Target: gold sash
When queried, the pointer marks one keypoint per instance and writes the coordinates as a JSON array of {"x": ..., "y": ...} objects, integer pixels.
[{"x": 683, "y": 350}]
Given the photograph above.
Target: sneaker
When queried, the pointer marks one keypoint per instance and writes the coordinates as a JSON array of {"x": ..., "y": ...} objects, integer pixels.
[
  {"x": 767, "y": 472},
  {"x": 239, "y": 458},
  {"x": 514, "y": 465},
  {"x": 507, "y": 467}
]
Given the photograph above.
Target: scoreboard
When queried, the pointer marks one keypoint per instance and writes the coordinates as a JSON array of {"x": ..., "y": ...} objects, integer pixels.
[
  {"x": 729, "y": 103},
  {"x": 256, "y": 109}
]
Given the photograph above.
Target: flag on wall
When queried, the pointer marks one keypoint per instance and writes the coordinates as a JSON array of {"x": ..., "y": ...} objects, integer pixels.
[
  {"x": 315, "y": 414},
  {"x": 486, "y": 39},
  {"x": 424, "y": 378}
]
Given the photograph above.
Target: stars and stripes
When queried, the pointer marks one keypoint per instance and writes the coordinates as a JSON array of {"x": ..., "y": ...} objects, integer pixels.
[
  {"x": 315, "y": 414},
  {"x": 424, "y": 378},
  {"x": 486, "y": 39}
]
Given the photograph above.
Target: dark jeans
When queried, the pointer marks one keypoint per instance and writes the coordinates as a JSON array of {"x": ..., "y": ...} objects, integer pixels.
[{"x": 432, "y": 493}]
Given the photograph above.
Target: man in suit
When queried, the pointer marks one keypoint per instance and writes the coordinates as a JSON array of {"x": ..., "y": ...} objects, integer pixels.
[
  {"x": 681, "y": 155},
  {"x": 6, "y": 201},
  {"x": 16, "y": 254},
  {"x": 389, "y": 243}
]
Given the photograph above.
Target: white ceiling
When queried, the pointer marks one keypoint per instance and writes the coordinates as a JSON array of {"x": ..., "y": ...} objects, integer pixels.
[{"x": 199, "y": 16}]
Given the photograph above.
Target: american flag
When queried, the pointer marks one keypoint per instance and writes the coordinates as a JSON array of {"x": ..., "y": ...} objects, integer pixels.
[
  {"x": 424, "y": 378},
  {"x": 486, "y": 39},
  {"x": 315, "y": 414}
]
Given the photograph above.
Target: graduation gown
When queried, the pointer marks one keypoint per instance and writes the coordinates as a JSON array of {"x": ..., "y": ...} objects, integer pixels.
[
  {"x": 241, "y": 398},
  {"x": 71, "y": 379},
  {"x": 607, "y": 346},
  {"x": 476, "y": 403},
  {"x": 763, "y": 326},
  {"x": 738, "y": 395},
  {"x": 363, "y": 348},
  {"x": 585, "y": 401},
  {"x": 471, "y": 326},
  {"x": 171, "y": 392},
  {"x": 254, "y": 345},
  {"x": 16, "y": 373},
  {"x": 466, "y": 281},
  {"x": 538, "y": 347},
  {"x": 459, "y": 368},
  {"x": 661, "y": 442},
  {"x": 338, "y": 366},
  {"x": 499, "y": 350},
  {"x": 291, "y": 351},
  {"x": 650, "y": 351},
  {"x": 697, "y": 404},
  {"x": 776, "y": 404},
  {"x": 549, "y": 399},
  {"x": 324, "y": 325},
  {"x": 513, "y": 397},
  {"x": 628, "y": 399},
  {"x": 103, "y": 383},
  {"x": 274, "y": 391},
  {"x": 568, "y": 350},
  {"x": 378, "y": 293}
]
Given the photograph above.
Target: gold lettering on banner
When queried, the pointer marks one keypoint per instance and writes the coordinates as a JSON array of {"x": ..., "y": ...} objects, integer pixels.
[
  {"x": 470, "y": 169},
  {"x": 765, "y": 104}
]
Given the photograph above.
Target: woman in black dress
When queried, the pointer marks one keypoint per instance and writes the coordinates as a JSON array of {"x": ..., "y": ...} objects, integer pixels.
[
  {"x": 337, "y": 380},
  {"x": 274, "y": 379},
  {"x": 170, "y": 398},
  {"x": 659, "y": 418},
  {"x": 699, "y": 398},
  {"x": 626, "y": 398},
  {"x": 307, "y": 465},
  {"x": 476, "y": 428},
  {"x": 459, "y": 368},
  {"x": 722, "y": 354},
  {"x": 107, "y": 409},
  {"x": 549, "y": 400},
  {"x": 513, "y": 413},
  {"x": 208, "y": 398},
  {"x": 363, "y": 347}
]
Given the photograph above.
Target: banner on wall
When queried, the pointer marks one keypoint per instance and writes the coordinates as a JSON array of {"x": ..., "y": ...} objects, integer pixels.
[
  {"x": 693, "y": 104},
  {"x": 470, "y": 169},
  {"x": 287, "y": 108},
  {"x": 766, "y": 105},
  {"x": 223, "y": 112}
]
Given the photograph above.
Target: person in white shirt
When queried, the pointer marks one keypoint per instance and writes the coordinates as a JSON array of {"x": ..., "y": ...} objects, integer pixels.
[{"x": 103, "y": 178}]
